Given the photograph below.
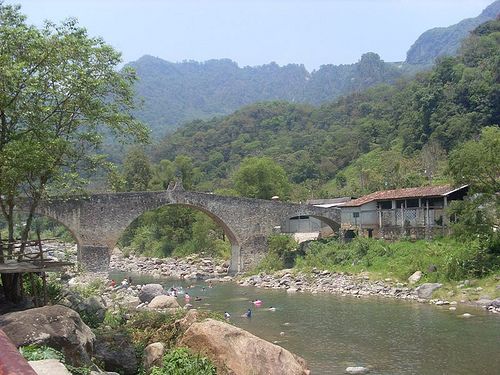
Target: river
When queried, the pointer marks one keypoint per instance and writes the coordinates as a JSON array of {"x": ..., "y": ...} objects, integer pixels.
[{"x": 333, "y": 332}]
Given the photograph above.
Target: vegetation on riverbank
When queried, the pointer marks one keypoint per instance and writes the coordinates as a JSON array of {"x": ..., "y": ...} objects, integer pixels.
[{"x": 446, "y": 260}]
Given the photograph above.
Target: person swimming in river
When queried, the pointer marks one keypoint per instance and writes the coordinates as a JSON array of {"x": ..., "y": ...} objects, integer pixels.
[
  {"x": 248, "y": 314},
  {"x": 226, "y": 315},
  {"x": 197, "y": 298}
]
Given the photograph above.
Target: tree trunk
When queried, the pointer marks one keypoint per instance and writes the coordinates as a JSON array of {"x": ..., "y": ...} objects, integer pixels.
[{"x": 12, "y": 287}]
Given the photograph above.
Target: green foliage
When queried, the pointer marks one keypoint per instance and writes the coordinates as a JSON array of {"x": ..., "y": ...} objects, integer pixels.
[
  {"x": 181, "y": 361},
  {"x": 94, "y": 288},
  {"x": 60, "y": 89},
  {"x": 178, "y": 92},
  {"x": 146, "y": 327},
  {"x": 282, "y": 253},
  {"x": 261, "y": 178},
  {"x": 137, "y": 170},
  {"x": 455, "y": 260},
  {"x": 478, "y": 162},
  {"x": 37, "y": 353}
]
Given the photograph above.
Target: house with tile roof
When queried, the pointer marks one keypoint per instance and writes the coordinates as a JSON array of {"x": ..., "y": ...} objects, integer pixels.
[{"x": 412, "y": 212}]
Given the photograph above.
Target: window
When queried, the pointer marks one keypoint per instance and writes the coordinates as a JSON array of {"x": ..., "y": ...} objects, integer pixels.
[
  {"x": 385, "y": 205},
  {"x": 411, "y": 203},
  {"x": 355, "y": 214}
]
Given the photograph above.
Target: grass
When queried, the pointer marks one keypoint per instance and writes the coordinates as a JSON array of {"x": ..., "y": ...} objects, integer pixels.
[{"x": 453, "y": 260}]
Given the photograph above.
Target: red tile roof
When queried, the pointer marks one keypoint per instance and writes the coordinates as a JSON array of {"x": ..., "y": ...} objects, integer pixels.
[{"x": 418, "y": 192}]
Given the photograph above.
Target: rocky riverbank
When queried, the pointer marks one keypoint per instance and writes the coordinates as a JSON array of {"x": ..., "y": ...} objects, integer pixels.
[
  {"x": 193, "y": 267},
  {"x": 199, "y": 267}
]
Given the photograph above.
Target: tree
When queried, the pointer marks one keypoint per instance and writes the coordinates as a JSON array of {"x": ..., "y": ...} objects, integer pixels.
[
  {"x": 137, "y": 170},
  {"x": 261, "y": 178},
  {"x": 478, "y": 162},
  {"x": 59, "y": 89}
]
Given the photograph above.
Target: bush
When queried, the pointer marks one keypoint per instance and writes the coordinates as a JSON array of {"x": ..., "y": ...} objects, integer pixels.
[
  {"x": 181, "y": 361},
  {"x": 282, "y": 251},
  {"x": 37, "y": 353}
]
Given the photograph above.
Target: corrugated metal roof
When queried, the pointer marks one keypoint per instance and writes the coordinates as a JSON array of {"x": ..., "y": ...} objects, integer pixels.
[{"x": 418, "y": 192}]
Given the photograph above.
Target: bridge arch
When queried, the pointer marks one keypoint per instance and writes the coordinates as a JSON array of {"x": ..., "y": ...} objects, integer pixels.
[{"x": 226, "y": 228}]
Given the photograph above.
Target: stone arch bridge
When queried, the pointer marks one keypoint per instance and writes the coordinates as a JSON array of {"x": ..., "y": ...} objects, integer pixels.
[{"x": 97, "y": 221}]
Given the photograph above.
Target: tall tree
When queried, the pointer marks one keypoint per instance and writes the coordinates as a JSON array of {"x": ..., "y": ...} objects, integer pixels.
[
  {"x": 59, "y": 89},
  {"x": 261, "y": 178},
  {"x": 137, "y": 170}
]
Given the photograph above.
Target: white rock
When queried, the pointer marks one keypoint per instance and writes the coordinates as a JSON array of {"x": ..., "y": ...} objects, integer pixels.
[
  {"x": 49, "y": 367},
  {"x": 415, "y": 277},
  {"x": 357, "y": 370}
]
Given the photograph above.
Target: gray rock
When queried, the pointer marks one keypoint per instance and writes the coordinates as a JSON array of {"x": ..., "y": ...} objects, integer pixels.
[
  {"x": 484, "y": 302},
  {"x": 426, "y": 290},
  {"x": 117, "y": 353},
  {"x": 56, "y": 326},
  {"x": 150, "y": 291},
  {"x": 153, "y": 355}
]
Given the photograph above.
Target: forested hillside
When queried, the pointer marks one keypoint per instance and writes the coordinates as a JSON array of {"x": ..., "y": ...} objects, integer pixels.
[
  {"x": 387, "y": 136},
  {"x": 445, "y": 41},
  {"x": 173, "y": 93}
]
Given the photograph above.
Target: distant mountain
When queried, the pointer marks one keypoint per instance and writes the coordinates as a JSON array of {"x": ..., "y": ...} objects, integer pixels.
[
  {"x": 173, "y": 93},
  {"x": 445, "y": 41}
]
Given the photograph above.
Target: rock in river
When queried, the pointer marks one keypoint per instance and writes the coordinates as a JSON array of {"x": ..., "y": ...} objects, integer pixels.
[
  {"x": 150, "y": 291},
  {"x": 164, "y": 302},
  {"x": 357, "y": 370},
  {"x": 426, "y": 290}
]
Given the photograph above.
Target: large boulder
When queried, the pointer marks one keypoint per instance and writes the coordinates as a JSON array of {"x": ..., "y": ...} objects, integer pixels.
[
  {"x": 426, "y": 290},
  {"x": 238, "y": 352},
  {"x": 150, "y": 291},
  {"x": 117, "y": 353},
  {"x": 164, "y": 302},
  {"x": 56, "y": 326}
]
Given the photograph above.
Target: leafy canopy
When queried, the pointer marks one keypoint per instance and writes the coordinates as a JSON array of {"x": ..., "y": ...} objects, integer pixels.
[{"x": 261, "y": 178}]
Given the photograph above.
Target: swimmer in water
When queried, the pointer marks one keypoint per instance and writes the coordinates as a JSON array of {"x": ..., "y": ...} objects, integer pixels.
[{"x": 248, "y": 314}]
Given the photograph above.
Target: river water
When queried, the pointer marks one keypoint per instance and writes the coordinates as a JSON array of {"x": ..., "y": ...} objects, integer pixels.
[{"x": 333, "y": 332}]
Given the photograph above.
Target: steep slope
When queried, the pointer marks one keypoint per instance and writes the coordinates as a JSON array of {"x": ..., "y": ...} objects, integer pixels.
[
  {"x": 401, "y": 132},
  {"x": 173, "y": 93},
  {"x": 445, "y": 41}
]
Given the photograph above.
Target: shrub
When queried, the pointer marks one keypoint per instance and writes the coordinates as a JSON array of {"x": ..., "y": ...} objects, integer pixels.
[
  {"x": 181, "y": 361},
  {"x": 37, "y": 353},
  {"x": 282, "y": 251}
]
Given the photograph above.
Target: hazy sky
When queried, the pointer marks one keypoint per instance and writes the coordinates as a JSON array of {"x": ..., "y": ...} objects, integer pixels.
[{"x": 255, "y": 32}]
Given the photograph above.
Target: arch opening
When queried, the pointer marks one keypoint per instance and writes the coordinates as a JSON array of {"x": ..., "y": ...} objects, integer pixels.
[
  {"x": 179, "y": 229},
  {"x": 310, "y": 227}
]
